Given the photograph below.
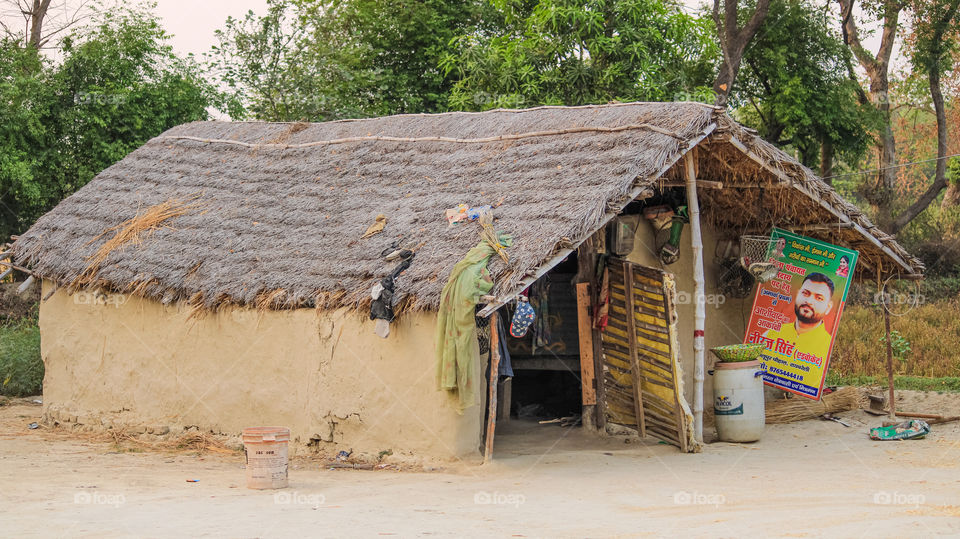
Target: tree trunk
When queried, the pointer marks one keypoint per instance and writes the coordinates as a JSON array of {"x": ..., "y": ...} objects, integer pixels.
[
  {"x": 733, "y": 42},
  {"x": 826, "y": 161},
  {"x": 952, "y": 197},
  {"x": 37, "y": 15},
  {"x": 881, "y": 195},
  {"x": 940, "y": 176},
  {"x": 724, "y": 82},
  {"x": 933, "y": 75}
]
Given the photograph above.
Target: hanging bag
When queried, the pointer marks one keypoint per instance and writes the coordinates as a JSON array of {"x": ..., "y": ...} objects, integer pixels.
[{"x": 523, "y": 318}]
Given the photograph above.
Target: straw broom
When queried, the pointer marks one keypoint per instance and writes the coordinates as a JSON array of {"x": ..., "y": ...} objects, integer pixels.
[{"x": 798, "y": 409}]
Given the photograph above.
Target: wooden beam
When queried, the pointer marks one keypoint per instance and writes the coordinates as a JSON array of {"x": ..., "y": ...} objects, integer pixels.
[
  {"x": 700, "y": 183},
  {"x": 18, "y": 268},
  {"x": 26, "y": 284},
  {"x": 568, "y": 364},
  {"x": 634, "y": 359},
  {"x": 587, "y": 391},
  {"x": 504, "y": 400},
  {"x": 492, "y": 384}
]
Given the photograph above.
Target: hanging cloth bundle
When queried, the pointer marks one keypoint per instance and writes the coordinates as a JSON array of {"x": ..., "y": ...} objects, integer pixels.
[
  {"x": 384, "y": 297},
  {"x": 458, "y": 354}
]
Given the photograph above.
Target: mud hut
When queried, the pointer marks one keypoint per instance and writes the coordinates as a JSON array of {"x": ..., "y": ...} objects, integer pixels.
[{"x": 217, "y": 276}]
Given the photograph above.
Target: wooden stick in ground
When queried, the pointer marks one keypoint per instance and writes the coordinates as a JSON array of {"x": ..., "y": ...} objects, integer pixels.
[
  {"x": 886, "y": 323},
  {"x": 919, "y": 416},
  {"x": 492, "y": 383}
]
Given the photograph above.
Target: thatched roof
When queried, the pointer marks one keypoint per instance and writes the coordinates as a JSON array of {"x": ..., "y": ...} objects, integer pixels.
[{"x": 272, "y": 213}]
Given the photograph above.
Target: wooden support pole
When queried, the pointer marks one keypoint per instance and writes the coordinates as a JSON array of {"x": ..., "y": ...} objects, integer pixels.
[
  {"x": 504, "y": 399},
  {"x": 886, "y": 322},
  {"x": 700, "y": 314},
  {"x": 588, "y": 392},
  {"x": 492, "y": 384}
]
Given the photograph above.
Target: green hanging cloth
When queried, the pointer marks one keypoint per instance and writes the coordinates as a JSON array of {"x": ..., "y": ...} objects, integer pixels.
[{"x": 458, "y": 354}]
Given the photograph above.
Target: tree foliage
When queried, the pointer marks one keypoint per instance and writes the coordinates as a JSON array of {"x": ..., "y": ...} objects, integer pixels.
[
  {"x": 795, "y": 88},
  {"x": 564, "y": 52},
  {"x": 319, "y": 60},
  {"x": 118, "y": 85}
]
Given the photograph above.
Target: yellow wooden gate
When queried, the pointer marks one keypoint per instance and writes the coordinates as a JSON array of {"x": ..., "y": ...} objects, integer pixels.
[{"x": 642, "y": 379}]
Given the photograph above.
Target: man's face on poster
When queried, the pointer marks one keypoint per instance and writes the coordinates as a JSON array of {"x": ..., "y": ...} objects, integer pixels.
[{"x": 813, "y": 302}]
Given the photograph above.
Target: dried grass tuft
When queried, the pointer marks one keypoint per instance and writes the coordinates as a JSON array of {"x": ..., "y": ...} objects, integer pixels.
[
  {"x": 800, "y": 408},
  {"x": 200, "y": 442},
  {"x": 130, "y": 231},
  {"x": 270, "y": 300}
]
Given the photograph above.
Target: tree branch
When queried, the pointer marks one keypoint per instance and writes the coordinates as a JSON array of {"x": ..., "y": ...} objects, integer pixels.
[{"x": 851, "y": 36}]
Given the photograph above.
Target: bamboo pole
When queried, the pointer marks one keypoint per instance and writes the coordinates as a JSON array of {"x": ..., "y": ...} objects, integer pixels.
[{"x": 696, "y": 244}]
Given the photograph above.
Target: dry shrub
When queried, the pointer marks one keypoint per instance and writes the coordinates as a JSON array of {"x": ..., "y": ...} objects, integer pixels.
[
  {"x": 199, "y": 442},
  {"x": 932, "y": 330}
]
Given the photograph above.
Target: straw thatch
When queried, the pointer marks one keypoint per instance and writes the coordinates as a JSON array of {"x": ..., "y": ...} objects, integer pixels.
[
  {"x": 281, "y": 208},
  {"x": 801, "y": 408}
]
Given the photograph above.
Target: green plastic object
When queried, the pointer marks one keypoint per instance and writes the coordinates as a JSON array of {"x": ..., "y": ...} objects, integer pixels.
[
  {"x": 738, "y": 352},
  {"x": 908, "y": 430}
]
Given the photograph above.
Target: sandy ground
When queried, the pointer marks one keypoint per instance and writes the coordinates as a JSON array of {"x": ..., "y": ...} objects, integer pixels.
[{"x": 808, "y": 479}]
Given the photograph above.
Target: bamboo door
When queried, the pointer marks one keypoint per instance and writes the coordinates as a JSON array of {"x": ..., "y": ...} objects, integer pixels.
[{"x": 642, "y": 378}]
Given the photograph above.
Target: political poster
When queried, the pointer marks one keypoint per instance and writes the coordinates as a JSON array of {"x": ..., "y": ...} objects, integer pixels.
[{"x": 796, "y": 313}]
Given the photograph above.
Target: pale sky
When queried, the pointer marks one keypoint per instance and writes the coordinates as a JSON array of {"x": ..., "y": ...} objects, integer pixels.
[{"x": 192, "y": 22}]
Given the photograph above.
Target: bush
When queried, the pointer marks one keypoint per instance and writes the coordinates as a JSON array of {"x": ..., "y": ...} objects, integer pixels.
[{"x": 21, "y": 367}]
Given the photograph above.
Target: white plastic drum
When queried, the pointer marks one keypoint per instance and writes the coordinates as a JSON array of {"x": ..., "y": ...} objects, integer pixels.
[{"x": 738, "y": 401}]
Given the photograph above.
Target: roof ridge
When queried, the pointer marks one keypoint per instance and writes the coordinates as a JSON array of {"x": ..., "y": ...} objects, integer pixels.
[{"x": 480, "y": 112}]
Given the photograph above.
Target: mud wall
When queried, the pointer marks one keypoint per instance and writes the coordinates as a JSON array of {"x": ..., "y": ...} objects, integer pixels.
[{"x": 131, "y": 361}]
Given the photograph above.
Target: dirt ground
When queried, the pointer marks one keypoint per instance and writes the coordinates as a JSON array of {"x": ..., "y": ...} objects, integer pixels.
[{"x": 807, "y": 479}]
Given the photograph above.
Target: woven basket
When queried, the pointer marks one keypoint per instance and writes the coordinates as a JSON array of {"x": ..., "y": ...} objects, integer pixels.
[{"x": 738, "y": 352}]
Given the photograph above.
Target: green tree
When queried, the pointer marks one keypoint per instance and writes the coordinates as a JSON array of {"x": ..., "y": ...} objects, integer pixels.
[
  {"x": 25, "y": 139},
  {"x": 119, "y": 84},
  {"x": 326, "y": 59},
  {"x": 275, "y": 71},
  {"x": 571, "y": 53},
  {"x": 795, "y": 90}
]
